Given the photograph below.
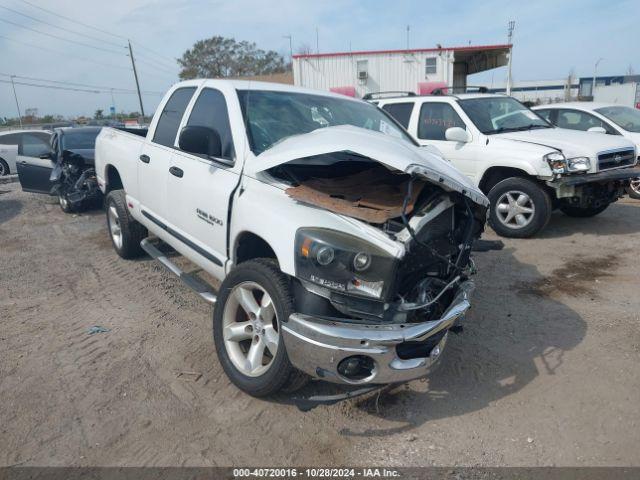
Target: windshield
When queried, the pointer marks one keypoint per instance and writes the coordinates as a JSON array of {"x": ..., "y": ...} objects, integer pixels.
[
  {"x": 273, "y": 116},
  {"x": 79, "y": 140},
  {"x": 625, "y": 117},
  {"x": 501, "y": 114}
]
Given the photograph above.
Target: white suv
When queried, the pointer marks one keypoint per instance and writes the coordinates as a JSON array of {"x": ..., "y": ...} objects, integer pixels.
[
  {"x": 525, "y": 165},
  {"x": 606, "y": 118}
]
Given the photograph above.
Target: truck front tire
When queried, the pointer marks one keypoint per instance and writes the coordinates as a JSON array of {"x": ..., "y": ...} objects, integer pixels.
[
  {"x": 520, "y": 208},
  {"x": 125, "y": 232},
  {"x": 253, "y": 301}
]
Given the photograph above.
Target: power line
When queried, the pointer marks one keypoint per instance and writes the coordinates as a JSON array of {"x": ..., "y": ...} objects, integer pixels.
[
  {"x": 75, "y": 32},
  {"x": 73, "y": 89},
  {"x": 86, "y": 25},
  {"x": 166, "y": 70},
  {"x": 60, "y": 38},
  {"x": 39, "y": 47},
  {"x": 52, "y": 87},
  {"x": 172, "y": 60},
  {"x": 72, "y": 20},
  {"x": 101, "y": 87}
]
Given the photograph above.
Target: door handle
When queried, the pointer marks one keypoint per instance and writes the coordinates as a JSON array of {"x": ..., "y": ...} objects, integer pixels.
[
  {"x": 145, "y": 158},
  {"x": 176, "y": 172}
]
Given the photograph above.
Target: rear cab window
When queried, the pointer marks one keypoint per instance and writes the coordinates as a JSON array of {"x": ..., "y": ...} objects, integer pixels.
[
  {"x": 171, "y": 116},
  {"x": 400, "y": 111}
]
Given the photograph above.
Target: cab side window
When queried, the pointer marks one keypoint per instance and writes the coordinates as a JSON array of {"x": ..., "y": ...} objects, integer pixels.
[
  {"x": 210, "y": 110},
  {"x": 169, "y": 121},
  {"x": 435, "y": 119},
  {"x": 10, "y": 139},
  {"x": 577, "y": 120},
  {"x": 400, "y": 111},
  {"x": 32, "y": 145}
]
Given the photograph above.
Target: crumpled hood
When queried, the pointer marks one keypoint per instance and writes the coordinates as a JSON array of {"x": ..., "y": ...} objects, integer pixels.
[
  {"x": 394, "y": 153},
  {"x": 572, "y": 143}
]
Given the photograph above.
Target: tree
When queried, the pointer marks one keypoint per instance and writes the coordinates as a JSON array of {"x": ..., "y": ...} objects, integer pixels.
[
  {"x": 224, "y": 57},
  {"x": 99, "y": 115}
]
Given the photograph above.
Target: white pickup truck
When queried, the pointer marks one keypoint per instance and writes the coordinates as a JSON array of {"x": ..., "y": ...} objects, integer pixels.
[
  {"x": 343, "y": 247},
  {"x": 525, "y": 165}
]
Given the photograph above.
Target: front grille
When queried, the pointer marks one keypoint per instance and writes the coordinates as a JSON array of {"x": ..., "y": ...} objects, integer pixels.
[{"x": 616, "y": 158}]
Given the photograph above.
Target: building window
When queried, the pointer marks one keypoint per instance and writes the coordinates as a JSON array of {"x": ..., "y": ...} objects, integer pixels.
[
  {"x": 362, "y": 66},
  {"x": 431, "y": 66}
]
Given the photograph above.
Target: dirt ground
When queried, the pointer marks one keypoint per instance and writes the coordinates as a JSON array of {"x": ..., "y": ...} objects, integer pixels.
[{"x": 545, "y": 373}]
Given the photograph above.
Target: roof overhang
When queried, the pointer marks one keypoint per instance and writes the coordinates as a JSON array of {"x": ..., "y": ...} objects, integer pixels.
[{"x": 479, "y": 59}]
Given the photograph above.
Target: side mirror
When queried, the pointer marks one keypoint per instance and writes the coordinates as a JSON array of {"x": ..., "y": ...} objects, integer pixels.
[
  {"x": 200, "y": 141},
  {"x": 597, "y": 130},
  {"x": 457, "y": 134}
]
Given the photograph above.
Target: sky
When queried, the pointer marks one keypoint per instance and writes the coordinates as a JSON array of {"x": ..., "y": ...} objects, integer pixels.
[{"x": 551, "y": 39}]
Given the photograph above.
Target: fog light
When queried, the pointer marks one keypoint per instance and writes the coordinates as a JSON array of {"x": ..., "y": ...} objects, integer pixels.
[
  {"x": 356, "y": 367},
  {"x": 435, "y": 353}
]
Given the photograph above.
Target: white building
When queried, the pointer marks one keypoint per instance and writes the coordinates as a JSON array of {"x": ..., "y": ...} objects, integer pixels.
[{"x": 417, "y": 70}]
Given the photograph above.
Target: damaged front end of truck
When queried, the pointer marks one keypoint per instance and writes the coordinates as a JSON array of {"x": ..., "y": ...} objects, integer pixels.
[{"x": 367, "y": 314}]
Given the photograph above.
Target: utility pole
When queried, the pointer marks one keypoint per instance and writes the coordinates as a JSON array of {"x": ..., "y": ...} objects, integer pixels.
[
  {"x": 17, "y": 104},
  {"x": 408, "y": 29},
  {"x": 317, "y": 41},
  {"x": 135, "y": 74},
  {"x": 595, "y": 74},
  {"x": 511, "y": 26}
]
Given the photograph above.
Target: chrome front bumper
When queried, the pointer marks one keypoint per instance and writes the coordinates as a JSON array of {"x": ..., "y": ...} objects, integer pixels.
[{"x": 316, "y": 346}]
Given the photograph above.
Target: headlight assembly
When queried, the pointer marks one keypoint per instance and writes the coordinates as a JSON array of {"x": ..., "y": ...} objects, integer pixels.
[
  {"x": 557, "y": 162},
  {"x": 560, "y": 164},
  {"x": 578, "y": 164},
  {"x": 343, "y": 263}
]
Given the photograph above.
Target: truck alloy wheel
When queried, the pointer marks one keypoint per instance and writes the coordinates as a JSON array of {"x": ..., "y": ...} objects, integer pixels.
[
  {"x": 125, "y": 232},
  {"x": 254, "y": 298},
  {"x": 515, "y": 209},
  {"x": 4, "y": 168},
  {"x": 250, "y": 328},
  {"x": 114, "y": 226}
]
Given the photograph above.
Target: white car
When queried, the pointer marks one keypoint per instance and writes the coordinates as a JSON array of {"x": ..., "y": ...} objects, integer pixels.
[
  {"x": 526, "y": 166},
  {"x": 343, "y": 247},
  {"x": 600, "y": 118},
  {"x": 18, "y": 146}
]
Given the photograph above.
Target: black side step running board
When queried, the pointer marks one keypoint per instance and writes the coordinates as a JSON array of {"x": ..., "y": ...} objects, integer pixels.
[{"x": 191, "y": 280}]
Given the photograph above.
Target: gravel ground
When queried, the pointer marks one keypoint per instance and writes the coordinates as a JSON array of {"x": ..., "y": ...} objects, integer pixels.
[{"x": 545, "y": 373}]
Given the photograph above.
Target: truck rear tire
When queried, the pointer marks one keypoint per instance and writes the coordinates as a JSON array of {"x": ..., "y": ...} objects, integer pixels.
[
  {"x": 125, "y": 232},
  {"x": 520, "y": 208},
  {"x": 583, "y": 212},
  {"x": 252, "y": 303}
]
